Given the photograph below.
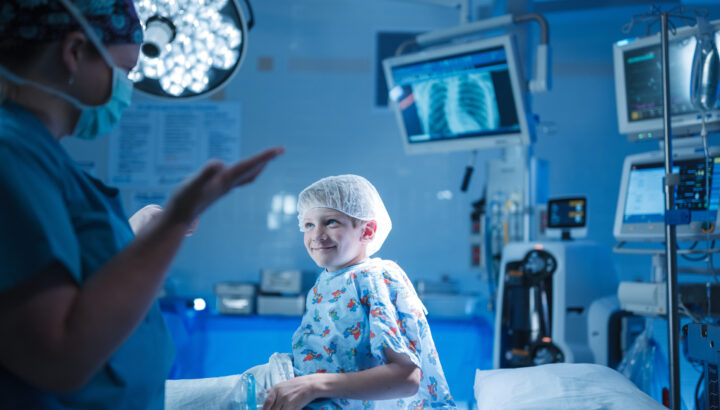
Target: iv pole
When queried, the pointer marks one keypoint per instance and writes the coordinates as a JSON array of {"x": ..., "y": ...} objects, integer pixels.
[
  {"x": 672, "y": 217},
  {"x": 670, "y": 230}
]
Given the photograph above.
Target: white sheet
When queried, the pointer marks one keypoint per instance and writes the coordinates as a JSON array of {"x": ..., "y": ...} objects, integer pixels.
[
  {"x": 571, "y": 386},
  {"x": 229, "y": 392}
]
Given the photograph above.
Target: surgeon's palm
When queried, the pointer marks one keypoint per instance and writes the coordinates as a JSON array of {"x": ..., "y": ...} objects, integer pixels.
[{"x": 215, "y": 180}]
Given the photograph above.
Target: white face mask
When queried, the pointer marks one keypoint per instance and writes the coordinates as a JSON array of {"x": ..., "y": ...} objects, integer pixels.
[{"x": 98, "y": 120}]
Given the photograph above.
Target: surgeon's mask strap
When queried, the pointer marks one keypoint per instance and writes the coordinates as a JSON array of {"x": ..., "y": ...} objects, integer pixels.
[
  {"x": 24, "y": 81},
  {"x": 89, "y": 31}
]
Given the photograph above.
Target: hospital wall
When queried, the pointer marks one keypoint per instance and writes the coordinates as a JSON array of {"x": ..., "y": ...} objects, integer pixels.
[
  {"x": 308, "y": 83},
  {"x": 318, "y": 100}
]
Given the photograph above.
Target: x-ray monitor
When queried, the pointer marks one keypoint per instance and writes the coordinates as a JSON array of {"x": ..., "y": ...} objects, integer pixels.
[
  {"x": 639, "y": 90},
  {"x": 459, "y": 97},
  {"x": 640, "y": 213}
]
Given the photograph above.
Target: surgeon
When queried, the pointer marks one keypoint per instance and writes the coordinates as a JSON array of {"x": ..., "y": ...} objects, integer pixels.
[{"x": 79, "y": 326}]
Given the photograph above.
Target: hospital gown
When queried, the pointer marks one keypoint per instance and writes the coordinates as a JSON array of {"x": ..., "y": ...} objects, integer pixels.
[{"x": 352, "y": 315}]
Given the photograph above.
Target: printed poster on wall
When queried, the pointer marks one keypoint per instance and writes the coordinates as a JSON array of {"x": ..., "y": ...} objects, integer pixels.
[{"x": 161, "y": 144}]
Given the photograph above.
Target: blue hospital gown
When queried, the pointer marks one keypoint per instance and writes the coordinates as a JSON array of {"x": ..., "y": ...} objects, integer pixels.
[{"x": 352, "y": 315}]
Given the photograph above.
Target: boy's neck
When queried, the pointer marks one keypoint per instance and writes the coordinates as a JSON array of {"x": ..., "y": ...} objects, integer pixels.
[{"x": 353, "y": 262}]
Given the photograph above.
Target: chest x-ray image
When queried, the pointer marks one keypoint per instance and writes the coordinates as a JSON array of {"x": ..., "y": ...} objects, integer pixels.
[{"x": 457, "y": 105}]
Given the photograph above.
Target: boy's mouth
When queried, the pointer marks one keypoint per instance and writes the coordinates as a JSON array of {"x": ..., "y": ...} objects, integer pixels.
[{"x": 323, "y": 248}]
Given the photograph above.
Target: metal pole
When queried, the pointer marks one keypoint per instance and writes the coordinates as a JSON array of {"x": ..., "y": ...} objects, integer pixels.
[{"x": 670, "y": 233}]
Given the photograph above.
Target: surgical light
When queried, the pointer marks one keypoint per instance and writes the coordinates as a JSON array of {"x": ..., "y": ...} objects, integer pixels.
[{"x": 191, "y": 47}]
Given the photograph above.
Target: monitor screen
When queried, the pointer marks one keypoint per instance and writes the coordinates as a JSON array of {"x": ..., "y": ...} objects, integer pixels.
[
  {"x": 639, "y": 91},
  {"x": 567, "y": 213},
  {"x": 460, "y": 97},
  {"x": 641, "y": 204}
]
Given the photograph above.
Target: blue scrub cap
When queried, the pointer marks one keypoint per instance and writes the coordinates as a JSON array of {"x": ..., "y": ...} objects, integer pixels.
[{"x": 40, "y": 21}]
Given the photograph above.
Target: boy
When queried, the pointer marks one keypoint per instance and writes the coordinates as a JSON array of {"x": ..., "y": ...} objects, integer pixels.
[{"x": 364, "y": 341}]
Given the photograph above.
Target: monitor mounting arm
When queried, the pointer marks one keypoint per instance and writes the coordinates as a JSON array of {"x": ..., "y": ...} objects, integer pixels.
[{"x": 541, "y": 82}]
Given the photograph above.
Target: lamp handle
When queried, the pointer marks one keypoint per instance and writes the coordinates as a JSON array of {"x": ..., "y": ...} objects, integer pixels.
[{"x": 251, "y": 19}]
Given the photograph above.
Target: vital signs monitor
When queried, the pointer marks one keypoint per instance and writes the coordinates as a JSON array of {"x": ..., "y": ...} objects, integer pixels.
[
  {"x": 640, "y": 213},
  {"x": 639, "y": 91}
]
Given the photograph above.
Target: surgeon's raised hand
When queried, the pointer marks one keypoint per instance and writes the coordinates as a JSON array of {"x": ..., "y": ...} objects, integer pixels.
[{"x": 216, "y": 179}]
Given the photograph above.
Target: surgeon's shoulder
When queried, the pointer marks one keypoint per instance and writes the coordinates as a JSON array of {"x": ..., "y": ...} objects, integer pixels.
[{"x": 21, "y": 159}]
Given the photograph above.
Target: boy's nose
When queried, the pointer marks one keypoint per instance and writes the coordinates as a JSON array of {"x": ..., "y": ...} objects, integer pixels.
[{"x": 320, "y": 235}]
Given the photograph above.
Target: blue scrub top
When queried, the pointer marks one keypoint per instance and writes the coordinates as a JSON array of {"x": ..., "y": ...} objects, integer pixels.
[{"x": 52, "y": 212}]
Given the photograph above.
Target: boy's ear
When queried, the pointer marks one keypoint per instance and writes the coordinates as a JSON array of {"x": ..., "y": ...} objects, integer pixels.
[{"x": 368, "y": 231}]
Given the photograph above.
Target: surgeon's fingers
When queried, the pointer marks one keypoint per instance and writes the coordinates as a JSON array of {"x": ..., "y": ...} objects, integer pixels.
[
  {"x": 247, "y": 170},
  {"x": 250, "y": 175},
  {"x": 192, "y": 196},
  {"x": 209, "y": 171}
]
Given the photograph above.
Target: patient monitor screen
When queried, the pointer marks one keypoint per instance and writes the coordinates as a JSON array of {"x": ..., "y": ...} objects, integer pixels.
[
  {"x": 645, "y": 198},
  {"x": 644, "y": 80},
  {"x": 639, "y": 87},
  {"x": 567, "y": 213},
  {"x": 461, "y": 96}
]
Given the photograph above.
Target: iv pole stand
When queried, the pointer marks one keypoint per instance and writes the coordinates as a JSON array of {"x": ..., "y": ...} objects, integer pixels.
[{"x": 670, "y": 229}]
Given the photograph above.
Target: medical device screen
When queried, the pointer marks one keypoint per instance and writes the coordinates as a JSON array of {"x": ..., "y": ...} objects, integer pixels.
[
  {"x": 567, "y": 213},
  {"x": 465, "y": 98},
  {"x": 644, "y": 80},
  {"x": 639, "y": 88},
  {"x": 645, "y": 198}
]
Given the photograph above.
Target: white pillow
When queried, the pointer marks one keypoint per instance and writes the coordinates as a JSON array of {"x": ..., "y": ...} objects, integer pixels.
[{"x": 557, "y": 386}]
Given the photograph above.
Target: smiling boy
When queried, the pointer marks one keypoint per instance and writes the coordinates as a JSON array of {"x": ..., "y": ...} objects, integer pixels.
[{"x": 364, "y": 341}]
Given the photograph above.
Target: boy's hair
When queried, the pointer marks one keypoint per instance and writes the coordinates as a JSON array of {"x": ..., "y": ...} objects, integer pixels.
[{"x": 352, "y": 195}]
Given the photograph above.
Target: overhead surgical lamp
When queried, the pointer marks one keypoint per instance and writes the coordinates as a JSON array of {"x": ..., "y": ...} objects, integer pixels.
[{"x": 191, "y": 48}]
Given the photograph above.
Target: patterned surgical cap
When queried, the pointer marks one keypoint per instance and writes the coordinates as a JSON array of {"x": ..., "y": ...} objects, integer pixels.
[{"x": 40, "y": 21}]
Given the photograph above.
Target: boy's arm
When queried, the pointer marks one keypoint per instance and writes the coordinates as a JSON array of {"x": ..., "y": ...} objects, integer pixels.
[{"x": 399, "y": 378}]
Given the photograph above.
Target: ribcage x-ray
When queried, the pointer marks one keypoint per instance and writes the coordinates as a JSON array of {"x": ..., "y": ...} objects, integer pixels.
[{"x": 457, "y": 105}]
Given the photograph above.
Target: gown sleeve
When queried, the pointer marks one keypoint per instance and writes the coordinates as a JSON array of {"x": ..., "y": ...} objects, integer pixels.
[
  {"x": 36, "y": 226},
  {"x": 394, "y": 314}
]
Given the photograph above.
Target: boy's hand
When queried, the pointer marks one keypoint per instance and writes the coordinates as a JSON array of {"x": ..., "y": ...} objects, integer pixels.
[
  {"x": 144, "y": 217},
  {"x": 292, "y": 394},
  {"x": 215, "y": 180},
  {"x": 149, "y": 213}
]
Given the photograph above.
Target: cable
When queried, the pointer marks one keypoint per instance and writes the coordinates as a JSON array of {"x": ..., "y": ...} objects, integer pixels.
[
  {"x": 693, "y": 259},
  {"x": 687, "y": 312},
  {"x": 697, "y": 389},
  {"x": 690, "y": 258},
  {"x": 694, "y": 244}
]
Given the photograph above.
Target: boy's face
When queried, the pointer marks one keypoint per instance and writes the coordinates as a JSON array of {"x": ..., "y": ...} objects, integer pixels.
[{"x": 332, "y": 241}]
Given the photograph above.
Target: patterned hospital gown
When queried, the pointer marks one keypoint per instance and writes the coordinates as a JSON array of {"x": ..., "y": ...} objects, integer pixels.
[{"x": 352, "y": 315}]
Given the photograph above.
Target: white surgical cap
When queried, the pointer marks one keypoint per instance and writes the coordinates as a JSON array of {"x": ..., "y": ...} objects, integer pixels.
[{"x": 352, "y": 195}]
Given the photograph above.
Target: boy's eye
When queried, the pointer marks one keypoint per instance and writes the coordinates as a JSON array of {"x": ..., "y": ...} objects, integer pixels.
[
  {"x": 332, "y": 222},
  {"x": 308, "y": 225}
]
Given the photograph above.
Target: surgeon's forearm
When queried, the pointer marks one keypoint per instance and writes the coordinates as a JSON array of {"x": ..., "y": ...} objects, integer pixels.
[
  {"x": 389, "y": 381},
  {"x": 111, "y": 304},
  {"x": 62, "y": 333}
]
